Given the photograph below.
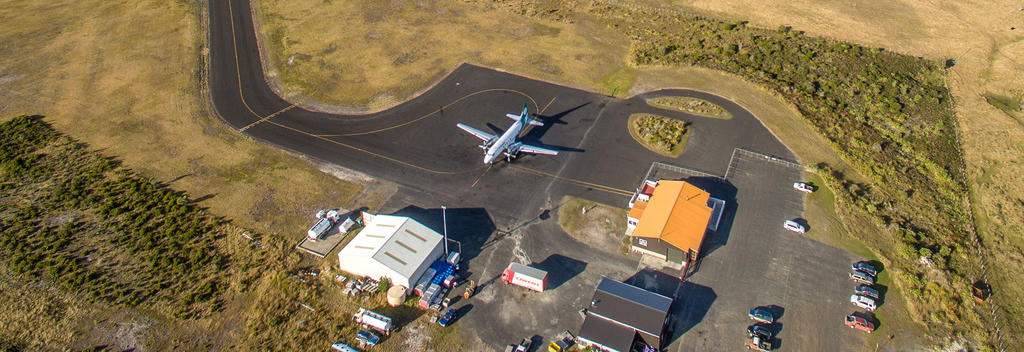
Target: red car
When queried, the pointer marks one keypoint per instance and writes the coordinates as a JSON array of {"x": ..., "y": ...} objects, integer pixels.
[{"x": 860, "y": 323}]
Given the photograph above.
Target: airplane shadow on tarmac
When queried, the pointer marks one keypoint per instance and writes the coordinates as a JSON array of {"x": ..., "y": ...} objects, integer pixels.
[{"x": 534, "y": 135}]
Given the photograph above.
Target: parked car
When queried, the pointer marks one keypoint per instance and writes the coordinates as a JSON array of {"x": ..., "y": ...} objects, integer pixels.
[
  {"x": 865, "y": 290},
  {"x": 758, "y": 343},
  {"x": 761, "y": 314},
  {"x": 864, "y": 267},
  {"x": 864, "y": 302},
  {"x": 524, "y": 345},
  {"x": 793, "y": 226},
  {"x": 803, "y": 187},
  {"x": 859, "y": 323},
  {"x": 562, "y": 342},
  {"x": 862, "y": 277},
  {"x": 447, "y": 318},
  {"x": 367, "y": 338},
  {"x": 759, "y": 330}
]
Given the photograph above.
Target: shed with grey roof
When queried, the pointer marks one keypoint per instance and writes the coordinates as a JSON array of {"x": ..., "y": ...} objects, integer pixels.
[{"x": 622, "y": 317}]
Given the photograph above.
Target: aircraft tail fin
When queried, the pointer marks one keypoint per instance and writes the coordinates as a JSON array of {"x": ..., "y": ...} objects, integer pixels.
[{"x": 525, "y": 117}]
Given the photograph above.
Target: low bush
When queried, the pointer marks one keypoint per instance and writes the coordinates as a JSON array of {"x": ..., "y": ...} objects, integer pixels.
[{"x": 73, "y": 217}]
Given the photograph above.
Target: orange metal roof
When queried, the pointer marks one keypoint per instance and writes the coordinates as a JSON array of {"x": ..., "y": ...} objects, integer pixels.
[
  {"x": 677, "y": 213},
  {"x": 638, "y": 209}
]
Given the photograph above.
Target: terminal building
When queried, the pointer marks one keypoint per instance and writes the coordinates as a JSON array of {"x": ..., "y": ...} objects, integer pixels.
[
  {"x": 396, "y": 247},
  {"x": 625, "y": 318},
  {"x": 669, "y": 219}
]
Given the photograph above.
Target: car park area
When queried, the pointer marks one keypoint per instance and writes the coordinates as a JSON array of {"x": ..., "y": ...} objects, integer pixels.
[{"x": 750, "y": 262}]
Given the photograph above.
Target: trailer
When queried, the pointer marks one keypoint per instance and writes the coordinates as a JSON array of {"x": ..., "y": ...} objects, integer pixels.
[
  {"x": 525, "y": 276},
  {"x": 373, "y": 320},
  {"x": 424, "y": 282},
  {"x": 429, "y": 295},
  {"x": 341, "y": 347}
]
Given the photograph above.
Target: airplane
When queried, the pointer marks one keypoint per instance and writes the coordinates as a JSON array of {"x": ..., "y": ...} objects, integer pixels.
[{"x": 508, "y": 143}]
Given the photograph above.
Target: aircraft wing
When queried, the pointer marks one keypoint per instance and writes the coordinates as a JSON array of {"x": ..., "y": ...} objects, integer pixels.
[
  {"x": 484, "y": 136},
  {"x": 532, "y": 149}
]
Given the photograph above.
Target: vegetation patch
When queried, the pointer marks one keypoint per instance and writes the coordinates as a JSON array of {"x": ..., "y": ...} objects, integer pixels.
[
  {"x": 662, "y": 135},
  {"x": 696, "y": 106},
  {"x": 75, "y": 218}
]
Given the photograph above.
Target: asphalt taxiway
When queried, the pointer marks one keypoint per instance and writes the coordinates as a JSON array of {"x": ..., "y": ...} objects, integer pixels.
[{"x": 417, "y": 145}]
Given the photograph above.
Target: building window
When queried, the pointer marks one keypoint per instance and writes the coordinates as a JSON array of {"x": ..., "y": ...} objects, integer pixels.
[{"x": 642, "y": 242}]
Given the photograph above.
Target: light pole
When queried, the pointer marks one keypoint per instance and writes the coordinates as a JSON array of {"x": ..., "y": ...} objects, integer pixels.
[{"x": 444, "y": 225}]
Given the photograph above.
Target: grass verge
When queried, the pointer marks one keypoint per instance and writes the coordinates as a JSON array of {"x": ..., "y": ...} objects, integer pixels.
[
  {"x": 663, "y": 135},
  {"x": 696, "y": 106}
]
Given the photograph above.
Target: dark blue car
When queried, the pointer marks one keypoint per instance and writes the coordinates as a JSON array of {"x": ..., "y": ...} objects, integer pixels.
[
  {"x": 447, "y": 318},
  {"x": 761, "y": 314}
]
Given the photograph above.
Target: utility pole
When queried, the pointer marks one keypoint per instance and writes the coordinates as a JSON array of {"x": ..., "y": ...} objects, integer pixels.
[{"x": 444, "y": 221}]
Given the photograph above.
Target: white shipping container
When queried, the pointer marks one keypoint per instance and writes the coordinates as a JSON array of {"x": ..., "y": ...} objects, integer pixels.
[
  {"x": 318, "y": 229},
  {"x": 373, "y": 319}
]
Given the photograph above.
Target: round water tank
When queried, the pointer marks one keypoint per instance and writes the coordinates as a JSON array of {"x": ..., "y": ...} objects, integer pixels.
[{"x": 396, "y": 295}]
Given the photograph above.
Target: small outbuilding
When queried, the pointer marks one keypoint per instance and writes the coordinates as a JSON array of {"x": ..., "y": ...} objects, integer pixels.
[
  {"x": 625, "y": 318},
  {"x": 394, "y": 247}
]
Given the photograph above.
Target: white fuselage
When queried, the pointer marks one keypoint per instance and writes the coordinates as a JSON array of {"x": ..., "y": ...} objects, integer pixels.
[{"x": 504, "y": 142}]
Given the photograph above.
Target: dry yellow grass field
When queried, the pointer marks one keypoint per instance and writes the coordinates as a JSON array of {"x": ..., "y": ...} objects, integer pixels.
[
  {"x": 125, "y": 78},
  {"x": 373, "y": 54}
]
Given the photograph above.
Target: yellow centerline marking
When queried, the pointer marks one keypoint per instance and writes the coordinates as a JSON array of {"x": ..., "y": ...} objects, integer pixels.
[
  {"x": 238, "y": 71},
  {"x": 546, "y": 106},
  {"x": 323, "y": 137},
  {"x": 365, "y": 151},
  {"x": 577, "y": 182},
  {"x": 238, "y": 75},
  {"x": 432, "y": 113},
  {"x": 257, "y": 122},
  {"x": 481, "y": 176}
]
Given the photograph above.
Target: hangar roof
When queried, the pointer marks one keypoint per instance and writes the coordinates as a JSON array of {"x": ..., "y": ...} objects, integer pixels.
[{"x": 398, "y": 242}]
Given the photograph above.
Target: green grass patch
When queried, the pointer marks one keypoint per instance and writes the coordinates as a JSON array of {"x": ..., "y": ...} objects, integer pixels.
[
  {"x": 820, "y": 211},
  {"x": 618, "y": 83},
  {"x": 1011, "y": 106},
  {"x": 662, "y": 135},
  {"x": 696, "y": 106}
]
